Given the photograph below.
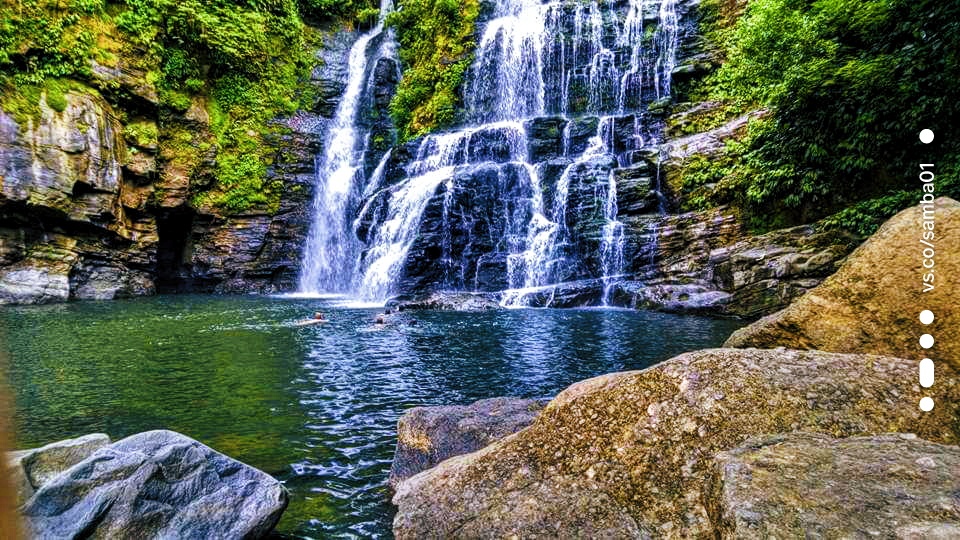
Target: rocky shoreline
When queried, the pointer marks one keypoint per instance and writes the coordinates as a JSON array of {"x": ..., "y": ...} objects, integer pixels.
[
  {"x": 806, "y": 423},
  {"x": 786, "y": 441}
]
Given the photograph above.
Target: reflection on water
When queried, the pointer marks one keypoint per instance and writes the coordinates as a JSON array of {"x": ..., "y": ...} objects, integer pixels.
[{"x": 315, "y": 406}]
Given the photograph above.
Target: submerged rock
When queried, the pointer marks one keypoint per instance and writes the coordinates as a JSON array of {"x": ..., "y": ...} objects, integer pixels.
[
  {"x": 156, "y": 484},
  {"x": 805, "y": 485},
  {"x": 428, "y": 435},
  {"x": 631, "y": 454},
  {"x": 872, "y": 303}
]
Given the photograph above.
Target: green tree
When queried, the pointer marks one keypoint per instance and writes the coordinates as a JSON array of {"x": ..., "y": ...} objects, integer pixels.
[{"x": 850, "y": 84}]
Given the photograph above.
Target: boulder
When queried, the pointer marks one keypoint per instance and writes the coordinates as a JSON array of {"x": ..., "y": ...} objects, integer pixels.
[
  {"x": 156, "y": 484},
  {"x": 806, "y": 485},
  {"x": 630, "y": 454},
  {"x": 34, "y": 468},
  {"x": 428, "y": 435},
  {"x": 872, "y": 303}
]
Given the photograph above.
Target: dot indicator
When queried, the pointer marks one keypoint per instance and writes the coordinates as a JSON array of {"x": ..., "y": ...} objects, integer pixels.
[
  {"x": 926, "y": 373},
  {"x": 926, "y": 404},
  {"x": 926, "y": 136},
  {"x": 926, "y": 341},
  {"x": 926, "y": 316}
]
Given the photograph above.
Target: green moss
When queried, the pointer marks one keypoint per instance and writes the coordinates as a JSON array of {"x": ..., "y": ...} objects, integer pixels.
[
  {"x": 141, "y": 133},
  {"x": 56, "y": 98},
  {"x": 436, "y": 49}
]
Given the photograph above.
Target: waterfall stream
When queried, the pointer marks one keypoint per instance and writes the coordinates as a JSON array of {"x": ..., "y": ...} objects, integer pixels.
[
  {"x": 524, "y": 196},
  {"x": 332, "y": 246}
]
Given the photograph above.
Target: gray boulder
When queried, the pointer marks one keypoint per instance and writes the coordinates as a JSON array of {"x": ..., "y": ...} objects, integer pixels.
[
  {"x": 428, "y": 435},
  {"x": 157, "y": 484},
  {"x": 31, "y": 469},
  {"x": 806, "y": 485}
]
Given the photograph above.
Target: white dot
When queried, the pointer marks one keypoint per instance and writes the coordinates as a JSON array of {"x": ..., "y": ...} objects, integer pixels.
[
  {"x": 926, "y": 316},
  {"x": 926, "y": 136},
  {"x": 926, "y": 341},
  {"x": 926, "y": 404}
]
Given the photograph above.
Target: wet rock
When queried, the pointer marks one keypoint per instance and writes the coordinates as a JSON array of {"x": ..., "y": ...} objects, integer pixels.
[
  {"x": 495, "y": 144},
  {"x": 578, "y": 133},
  {"x": 544, "y": 138},
  {"x": 428, "y": 435},
  {"x": 872, "y": 302},
  {"x": 806, "y": 485},
  {"x": 671, "y": 297},
  {"x": 635, "y": 190},
  {"x": 447, "y": 301},
  {"x": 156, "y": 484},
  {"x": 631, "y": 454},
  {"x": 29, "y": 284},
  {"x": 94, "y": 282},
  {"x": 328, "y": 97},
  {"x": 569, "y": 294},
  {"x": 710, "y": 142},
  {"x": 467, "y": 231}
]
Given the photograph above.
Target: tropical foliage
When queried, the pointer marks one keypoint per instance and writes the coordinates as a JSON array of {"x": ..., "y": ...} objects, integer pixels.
[{"x": 850, "y": 84}]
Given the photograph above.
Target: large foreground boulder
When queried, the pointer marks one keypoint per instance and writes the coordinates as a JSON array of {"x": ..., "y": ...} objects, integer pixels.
[
  {"x": 428, "y": 435},
  {"x": 157, "y": 484},
  {"x": 872, "y": 304},
  {"x": 631, "y": 454},
  {"x": 805, "y": 485}
]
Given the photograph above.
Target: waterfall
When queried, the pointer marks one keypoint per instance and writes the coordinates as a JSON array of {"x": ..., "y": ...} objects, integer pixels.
[
  {"x": 437, "y": 158},
  {"x": 611, "y": 250},
  {"x": 332, "y": 245},
  {"x": 523, "y": 196}
]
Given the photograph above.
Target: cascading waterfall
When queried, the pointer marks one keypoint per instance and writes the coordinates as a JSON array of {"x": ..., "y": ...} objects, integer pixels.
[
  {"x": 483, "y": 207},
  {"x": 666, "y": 41},
  {"x": 332, "y": 245},
  {"x": 438, "y": 157}
]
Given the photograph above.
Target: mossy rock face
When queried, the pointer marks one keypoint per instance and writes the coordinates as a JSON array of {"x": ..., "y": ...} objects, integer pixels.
[
  {"x": 804, "y": 485},
  {"x": 872, "y": 303},
  {"x": 631, "y": 454}
]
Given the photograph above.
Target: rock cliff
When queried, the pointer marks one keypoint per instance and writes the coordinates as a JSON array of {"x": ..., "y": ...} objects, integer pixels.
[{"x": 99, "y": 195}]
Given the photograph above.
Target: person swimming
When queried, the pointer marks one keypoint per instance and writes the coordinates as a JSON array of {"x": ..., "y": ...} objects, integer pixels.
[
  {"x": 317, "y": 318},
  {"x": 379, "y": 320}
]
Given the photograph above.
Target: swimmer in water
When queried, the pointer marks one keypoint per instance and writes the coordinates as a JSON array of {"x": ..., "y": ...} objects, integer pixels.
[
  {"x": 317, "y": 318},
  {"x": 379, "y": 320}
]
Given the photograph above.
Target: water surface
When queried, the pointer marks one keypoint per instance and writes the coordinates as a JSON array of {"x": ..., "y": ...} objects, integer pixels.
[{"x": 314, "y": 406}]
